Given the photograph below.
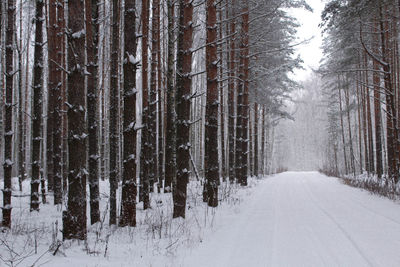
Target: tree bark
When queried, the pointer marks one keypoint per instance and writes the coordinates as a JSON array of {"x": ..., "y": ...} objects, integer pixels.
[
  {"x": 74, "y": 218},
  {"x": 160, "y": 101},
  {"x": 183, "y": 93},
  {"x": 211, "y": 162},
  {"x": 152, "y": 120},
  {"x": 256, "y": 139},
  {"x": 8, "y": 128},
  {"x": 92, "y": 32},
  {"x": 129, "y": 191},
  {"x": 170, "y": 143},
  {"x": 231, "y": 96},
  {"x": 37, "y": 107},
  {"x": 244, "y": 92},
  {"x": 114, "y": 106},
  {"x": 145, "y": 140}
]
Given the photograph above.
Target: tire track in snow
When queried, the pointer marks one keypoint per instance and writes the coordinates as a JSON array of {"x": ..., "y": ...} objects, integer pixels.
[{"x": 338, "y": 225}]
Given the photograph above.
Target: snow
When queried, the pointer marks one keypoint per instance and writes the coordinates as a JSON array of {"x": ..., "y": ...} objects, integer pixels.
[
  {"x": 305, "y": 219},
  {"x": 290, "y": 219}
]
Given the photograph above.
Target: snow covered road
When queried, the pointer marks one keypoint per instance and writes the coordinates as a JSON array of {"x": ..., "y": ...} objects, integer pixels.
[{"x": 305, "y": 219}]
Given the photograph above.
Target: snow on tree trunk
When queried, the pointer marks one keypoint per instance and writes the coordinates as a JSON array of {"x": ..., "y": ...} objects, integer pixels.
[
  {"x": 160, "y": 100},
  {"x": 8, "y": 127},
  {"x": 52, "y": 91},
  {"x": 211, "y": 161},
  {"x": 92, "y": 28},
  {"x": 152, "y": 119},
  {"x": 183, "y": 100},
  {"x": 55, "y": 83},
  {"x": 377, "y": 108},
  {"x": 129, "y": 191},
  {"x": 37, "y": 107},
  {"x": 74, "y": 218},
  {"x": 114, "y": 106},
  {"x": 231, "y": 95},
  {"x": 243, "y": 100},
  {"x": 170, "y": 142},
  {"x": 145, "y": 152},
  {"x": 256, "y": 112}
]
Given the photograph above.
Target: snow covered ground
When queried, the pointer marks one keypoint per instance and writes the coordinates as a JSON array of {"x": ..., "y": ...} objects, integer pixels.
[
  {"x": 290, "y": 219},
  {"x": 306, "y": 219}
]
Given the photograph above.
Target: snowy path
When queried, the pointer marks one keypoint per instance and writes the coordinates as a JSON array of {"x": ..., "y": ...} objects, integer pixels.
[{"x": 305, "y": 219}]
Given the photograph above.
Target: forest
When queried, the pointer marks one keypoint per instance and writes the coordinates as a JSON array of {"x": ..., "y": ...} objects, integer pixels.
[{"x": 132, "y": 129}]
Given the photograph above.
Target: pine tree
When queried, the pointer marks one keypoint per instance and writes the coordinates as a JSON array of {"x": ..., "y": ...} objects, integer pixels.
[
  {"x": 8, "y": 128},
  {"x": 170, "y": 142},
  {"x": 183, "y": 100},
  {"x": 231, "y": 94},
  {"x": 211, "y": 162},
  {"x": 114, "y": 107},
  {"x": 37, "y": 107},
  {"x": 92, "y": 37},
  {"x": 145, "y": 152},
  {"x": 74, "y": 218},
  {"x": 129, "y": 191}
]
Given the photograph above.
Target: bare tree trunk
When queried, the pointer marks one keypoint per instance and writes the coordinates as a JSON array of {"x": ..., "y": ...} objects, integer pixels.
[
  {"x": 21, "y": 148},
  {"x": 211, "y": 162},
  {"x": 391, "y": 120},
  {"x": 64, "y": 133},
  {"x": 244, "y": 92},
  {"x": 152, "y": 121},
  {"x": 231, "y": 96},
  {"x": 145, "y": 140},
  {"x": 170, "y": 143},
  {"x": 114, "y": 106},
  {"x": 92, "y": 32},
  {"x": 347, "y": 99},
  {"x": 221, "y": 94},
  {"x": 129, "y": 191},
  {"x": 359, "y": 123},
  {"x": 160, "y": 165},
  {"x": 263, "y": 155},
  {"x": 51, "y": 91},
  {"x": 74, "y": 218},
  {"x": 342, "y": 128},
  {"x": 183, "y": 92},
  {"x": 8, "y": 131},
  {"x": 256, "y": 139},
  {"x": 369, "y": 120}
]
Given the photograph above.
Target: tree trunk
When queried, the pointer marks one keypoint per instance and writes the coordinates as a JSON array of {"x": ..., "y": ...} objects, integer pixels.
[
  {"x": 256, "y": 139},
  {"x": 170, "y": 143},
  {"x": 114, "y": 106},
  {"x": 377, "y": 113},
  {"x": 52, "y": 91},
  {"x": 221, "y": 94},
  {"x": 8, "y": 129},
  {"x": 244, "y": 92},
  {"x": 152, "y": 120},
  {"x": 92, "y": 37},
  {"x": 391, "y": 120},
  {"x": 21, "y": 122},
  {"x": 369, "y": 121},
  {"x": 183, "y": 100},
  {"x": 263, "y": 155},
  {"x": 145, "y": 140},
  {"x": 211, "y": 162},
  {"x": 342, "y": 128},
  {"x": 231, "y": 96},
  {"x": 74, "y": 218},
  {"x": 160, "y": 165},
  {"x": 37, "y": 107},
  {"x": 128, "y": 209}
]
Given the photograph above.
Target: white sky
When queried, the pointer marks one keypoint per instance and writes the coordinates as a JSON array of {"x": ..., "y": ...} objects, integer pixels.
[{"x": 311, "y": 52}]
